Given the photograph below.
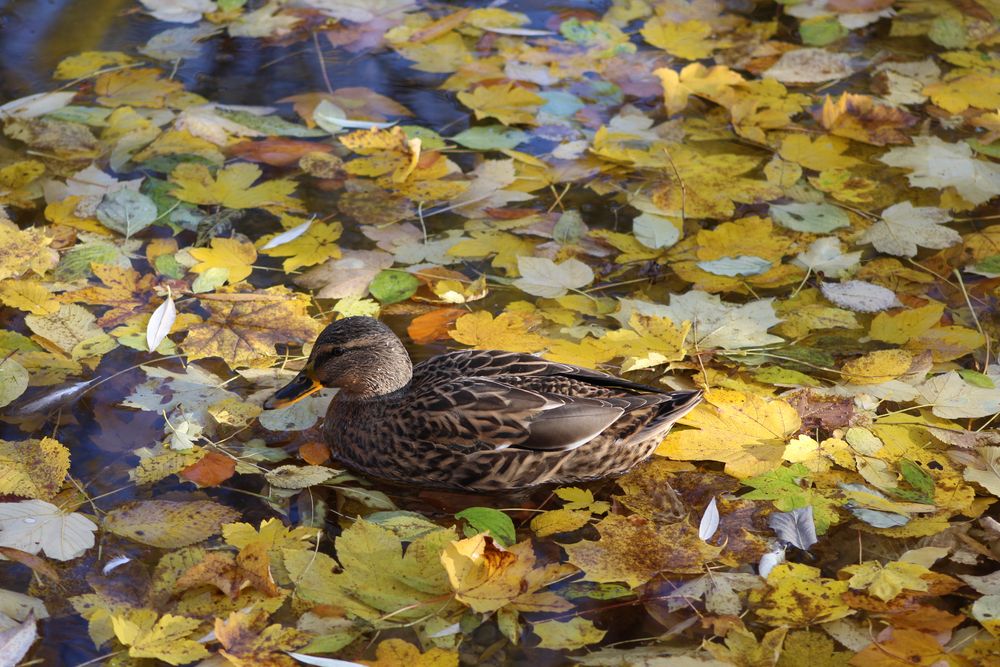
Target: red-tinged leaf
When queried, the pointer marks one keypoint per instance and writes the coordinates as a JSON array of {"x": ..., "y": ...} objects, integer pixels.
[
  {"x": 211, "y": 470},
  {"x": 277, "y": 152}
]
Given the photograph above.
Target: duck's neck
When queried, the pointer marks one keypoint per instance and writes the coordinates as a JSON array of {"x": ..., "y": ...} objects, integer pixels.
[{"x": 389, "y": 372}]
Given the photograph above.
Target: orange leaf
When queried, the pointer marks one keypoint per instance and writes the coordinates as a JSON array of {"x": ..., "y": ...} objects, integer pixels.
[
  {"x": 315, "y": 452},
  {"x": 434, "y": 325},
  {"x": 211, "y": 470},
  {"x": 277, "y": 152}
]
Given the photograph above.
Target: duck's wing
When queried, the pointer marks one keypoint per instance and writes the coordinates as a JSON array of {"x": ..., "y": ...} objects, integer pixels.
[
  {"x": 494, "y": 363},
  {"x": 481, "y": 413}
]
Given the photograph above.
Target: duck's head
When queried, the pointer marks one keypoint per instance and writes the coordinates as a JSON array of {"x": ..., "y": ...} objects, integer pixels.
[{"x": 359, "y": 355}]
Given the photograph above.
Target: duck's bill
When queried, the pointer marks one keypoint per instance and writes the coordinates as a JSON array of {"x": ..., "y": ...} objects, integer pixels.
[{"x": 301, "y": 386}]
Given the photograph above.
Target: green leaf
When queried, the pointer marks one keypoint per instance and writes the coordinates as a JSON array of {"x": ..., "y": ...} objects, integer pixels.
[
  {"x": 821, "y": 30},
  {"x": 13, "y": 381},
  {"x": 270, "y": 125},
  {"x": 126, "y": 211},
  {"x": 975, "y": 378},
  {"x": 392, "y": 286},
  {"x": 813, "y": 218},
  {"x": 485, "y": 519},
  {"x": 76, "y": 262},
  {"x": 490, "y": 138},
  {"x": 918, "y": 478}
]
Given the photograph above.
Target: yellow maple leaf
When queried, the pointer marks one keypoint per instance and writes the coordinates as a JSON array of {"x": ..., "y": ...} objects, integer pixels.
[
  {"x": 742, "y": 647},
  {"x": 975, "y": 89},
  {"x": 819, "y": 457},
  {"x": 244, "y": 643},
  {"x": 65, "y": 213},
  {"x": 486, "y": 577},
  {"x": 88, "y": 62},
  {"x": 167, "y": 638},
  {"x": 237, "y": 257},
  {"x": 743, "y": 430},
  {"x": 315, "y": 246},
  {"x": 651, "y": 341},
  {"x": 232, "y": 187},
  {"x": 507, "y": 331},
  {"x": 136, "y": 87},
  {"x": 687, "y": 39},
  {"x": 375, "y": 580},
  {"x": 886, "y": 581},
  {"x": 399, "y": 653},
  {"x": 245, "y": 325},
  {"x": 509, "y": 103},
  {"x": 23, "y": 251},
  {"x": 634, "y": 550},
  {"x": 124, "y": 290},
  {"x": 798, "y": 596},
  {"x": 819, "y": 154},
  {"x": 715, "y": 84},
  {"x": 706, "y": 185}
]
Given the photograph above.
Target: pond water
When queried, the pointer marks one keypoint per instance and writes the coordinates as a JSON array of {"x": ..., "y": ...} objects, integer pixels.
[{"x": 801, "y": 224}]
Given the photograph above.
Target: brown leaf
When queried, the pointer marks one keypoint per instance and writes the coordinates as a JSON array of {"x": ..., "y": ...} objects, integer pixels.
[{"x": 245, "y": 332}]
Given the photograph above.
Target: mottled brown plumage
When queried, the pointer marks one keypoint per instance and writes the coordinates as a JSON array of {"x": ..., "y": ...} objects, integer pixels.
[{"x": 477, "y": 420}]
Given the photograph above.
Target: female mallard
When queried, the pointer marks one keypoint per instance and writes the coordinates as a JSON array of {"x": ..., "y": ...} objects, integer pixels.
[{"x": 476, "y": 420}]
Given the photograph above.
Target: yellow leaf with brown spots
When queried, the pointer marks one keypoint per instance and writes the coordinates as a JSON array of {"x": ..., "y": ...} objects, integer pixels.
[
  {"x": 244, "y": 326},
  {"x": 33, "y": 468},
  {"x": 168, "y": 524},
  {"x": 245, "y": 642},
  {"x": 23, "y": 251},
  {"x": 634, "y": 550},
  {"x": 137, "y": 87},
  {"x": 877, "y": 367},
  {"x": 29, "y": 296},
  {"x": 797, "y": 596}
]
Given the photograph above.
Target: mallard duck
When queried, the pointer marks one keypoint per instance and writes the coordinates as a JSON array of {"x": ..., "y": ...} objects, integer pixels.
[{"x": 476, "y": 420}]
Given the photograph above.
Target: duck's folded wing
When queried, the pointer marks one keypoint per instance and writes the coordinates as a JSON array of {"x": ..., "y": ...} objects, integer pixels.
[{"x": 482, "y": 413}]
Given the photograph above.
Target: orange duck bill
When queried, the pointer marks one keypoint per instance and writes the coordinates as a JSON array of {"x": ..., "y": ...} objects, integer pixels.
[{"x": 302, "y": 385}]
